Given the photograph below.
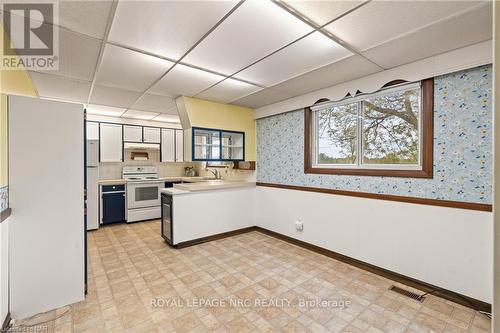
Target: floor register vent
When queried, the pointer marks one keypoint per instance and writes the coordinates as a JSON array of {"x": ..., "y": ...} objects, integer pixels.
[{"x": 407, "y": 293}]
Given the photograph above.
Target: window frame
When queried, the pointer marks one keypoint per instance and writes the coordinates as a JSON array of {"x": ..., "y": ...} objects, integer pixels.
[{"x": 426, "y": 132}]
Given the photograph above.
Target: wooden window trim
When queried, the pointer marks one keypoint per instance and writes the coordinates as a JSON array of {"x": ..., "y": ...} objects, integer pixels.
[{"x": 427, "y": 144}]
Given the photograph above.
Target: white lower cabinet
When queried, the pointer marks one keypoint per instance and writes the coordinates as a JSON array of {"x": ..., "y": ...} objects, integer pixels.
[{"x": 111, "y": 143}]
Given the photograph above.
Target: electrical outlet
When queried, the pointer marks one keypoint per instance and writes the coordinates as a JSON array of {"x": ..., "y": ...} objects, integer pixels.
[{"x": 299, "y": 226}]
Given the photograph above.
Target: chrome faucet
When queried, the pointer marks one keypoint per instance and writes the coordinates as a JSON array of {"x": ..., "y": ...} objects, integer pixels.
[{"x": 216, "y": 173}]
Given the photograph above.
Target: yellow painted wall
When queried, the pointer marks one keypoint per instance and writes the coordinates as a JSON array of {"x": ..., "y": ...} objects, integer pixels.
[
  {"x": 4, "y": 176},
  {"x": 12, "y": 82},
  {"x": 203, "y": 113}
]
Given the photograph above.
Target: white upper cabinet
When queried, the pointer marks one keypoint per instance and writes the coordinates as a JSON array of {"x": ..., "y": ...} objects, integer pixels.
[
  {"x": 111, "y": 143},
  {"x": 151, "y": 135},
  {"x": 179, "y": 146},
  {"x": 168, "y": 145},
  {"x": 132, "y": 133},
  {"x": 92, "y": 131}
]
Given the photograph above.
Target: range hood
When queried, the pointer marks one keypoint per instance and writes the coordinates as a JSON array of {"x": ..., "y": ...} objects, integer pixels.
[{"x": 141, "y": 146}]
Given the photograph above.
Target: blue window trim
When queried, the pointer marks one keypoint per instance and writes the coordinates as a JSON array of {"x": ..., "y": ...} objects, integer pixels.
[{"x": 220, "y": 159}]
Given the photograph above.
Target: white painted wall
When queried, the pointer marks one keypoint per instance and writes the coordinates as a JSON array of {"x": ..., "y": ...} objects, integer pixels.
[
  {"x": 448, "y": 247},
  {"x": 206, "y": 213},
  {"x": 46, "y": 197},
  {"x": 4, "y": 269}
]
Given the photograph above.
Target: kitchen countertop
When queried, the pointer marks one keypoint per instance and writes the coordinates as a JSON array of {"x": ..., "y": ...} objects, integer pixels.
[
  {"x": 206, "y": 185},
  {"x": 167, "y": 179}
]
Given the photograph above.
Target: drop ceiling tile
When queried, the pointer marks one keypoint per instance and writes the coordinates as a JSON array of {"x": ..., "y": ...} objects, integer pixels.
[
  {"x": 251, "y": 32},
  {"x": 78, "y": 55},
  {"x": 153, "y": 102},
  {"x": 167, "y": 118},
  {"x": 228, "y": 91},
  {"x": 341, "y": 71},
  {"x": 262, "y": 97},
  {"x": 128, "y": 69},
  {"x": 322, "y": 12},
  {"x": 166, "y": 28},
  {"x": 103, "y": 110},
  {"x": 137, "y": 114},
  {"x": 57, "y": 87},
  {"x": 113, "y": 96},
  {"x": 311, "y": 52},
  {"x": 469, "y": 28},
  {"x": 86, "y": 17},
  {"x": 380, "y": 21},
  {"x": 185, "y": 80}
]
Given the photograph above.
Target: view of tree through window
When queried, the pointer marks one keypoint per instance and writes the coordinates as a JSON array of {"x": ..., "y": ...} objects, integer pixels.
[
  {"x": 337, "y": 133},
  {"x": 389, "y": 131},
  {"x": 390, "y": 128}
]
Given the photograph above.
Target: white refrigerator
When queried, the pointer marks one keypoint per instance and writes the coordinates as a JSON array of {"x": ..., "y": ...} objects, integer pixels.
[
  {"x": 46, "y": 185},
  {"x": 92, "y": 184}
]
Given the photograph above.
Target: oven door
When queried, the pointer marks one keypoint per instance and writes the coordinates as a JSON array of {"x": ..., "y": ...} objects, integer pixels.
[{"x": 143, "y": 194}]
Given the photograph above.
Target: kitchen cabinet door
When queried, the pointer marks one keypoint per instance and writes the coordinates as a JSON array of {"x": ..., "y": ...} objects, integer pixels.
[
  {"x": 179, "y": 146},
  {"x": 132, "y": 133},
  {"x": 92, "y": 130},
  {"x": 151, "y": 135},
  {"x": 113, "y": 207},
  {"x": 111, "y": 143},
  {"x": 167, "y": 145},
  {"x": 206, "y": 145}
]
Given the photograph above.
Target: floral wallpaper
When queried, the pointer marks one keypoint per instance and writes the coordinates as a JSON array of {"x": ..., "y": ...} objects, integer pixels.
[
  {"x": 462, "y": 147},
  {"x": 4, "y": 198}
]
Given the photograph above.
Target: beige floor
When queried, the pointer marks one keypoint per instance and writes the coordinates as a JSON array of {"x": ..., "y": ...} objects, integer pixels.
[{"x": 130, "y": 266}]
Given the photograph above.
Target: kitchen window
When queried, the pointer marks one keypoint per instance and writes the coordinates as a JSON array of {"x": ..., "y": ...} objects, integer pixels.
[{"x": 386, "y": 133}]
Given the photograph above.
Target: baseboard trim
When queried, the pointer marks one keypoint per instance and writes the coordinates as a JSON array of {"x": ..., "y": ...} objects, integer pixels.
[
  {"x": 215, "y": 237},
  {"x": 6, "y": 323},
  {"x": 414, "y": 283}
]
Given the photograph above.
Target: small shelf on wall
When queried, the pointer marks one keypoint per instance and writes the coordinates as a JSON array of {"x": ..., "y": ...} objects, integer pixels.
[
  {"x": 244, "y": 165},
  {"x": 210, "y": 144}
]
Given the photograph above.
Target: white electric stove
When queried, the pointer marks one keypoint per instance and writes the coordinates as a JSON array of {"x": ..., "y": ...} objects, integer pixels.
[{"x": 143, "y": 192}]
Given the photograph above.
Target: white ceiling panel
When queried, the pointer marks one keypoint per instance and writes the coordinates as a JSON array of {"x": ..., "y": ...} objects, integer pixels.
[
  {"x": 128, "y": 69},
  {"x": 153, "y": 102},
  {"x": 169, "y": 118},
  {"x": 341, "y": 71},
  {"x": 86, "y": 17},
  {"x": 322, "y": 12},
  {"x": 137, "y": 114},
  {"x": 185, "y": 80},
  {"x": 57, "y": 87},
  {"x": 228, "y": 91},
  {"x": 262, "y": 97},
  {"x": 113, "y": 96},
  {"x": 166, "y": 28},
  {"x": 381, "y": 21},
  {"x": 311, "y": 52},
  {"x": 470, "y": 28},
  {"x": 78, "y": 55},
  {"x": 103, "y": 110},
  {"x": 251, "y": 32}
]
